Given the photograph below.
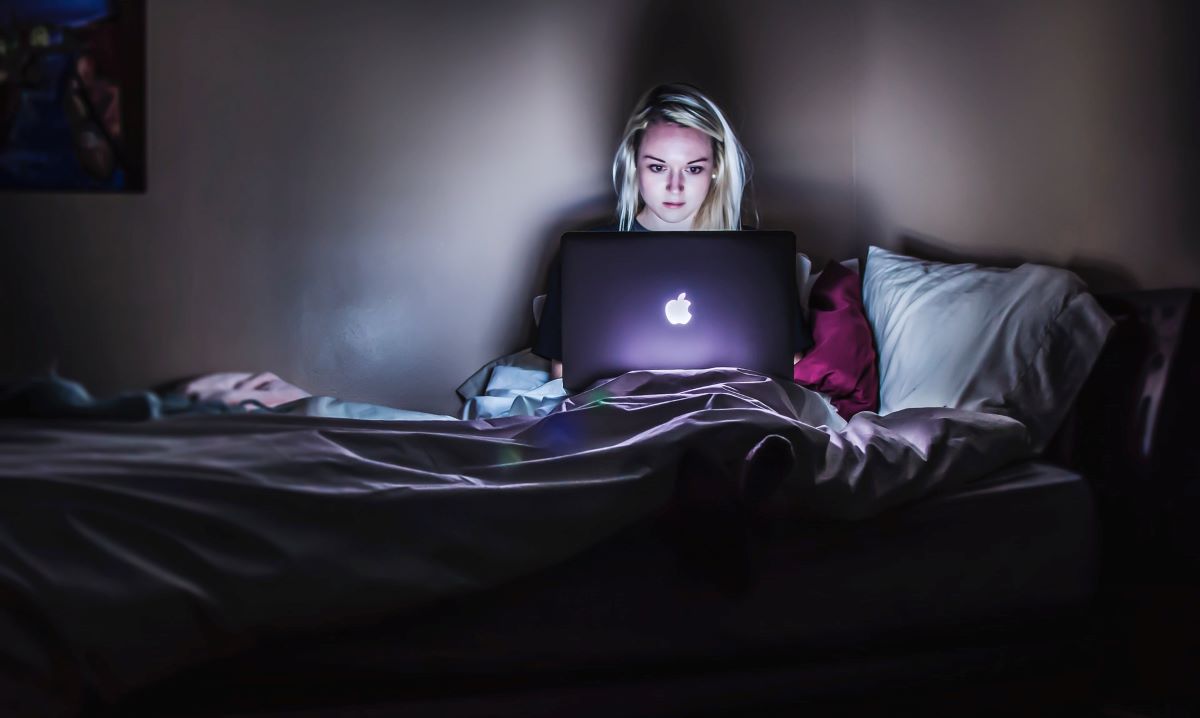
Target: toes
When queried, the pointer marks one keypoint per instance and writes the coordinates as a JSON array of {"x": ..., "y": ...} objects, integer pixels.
[{"x": 767, "y": 464}]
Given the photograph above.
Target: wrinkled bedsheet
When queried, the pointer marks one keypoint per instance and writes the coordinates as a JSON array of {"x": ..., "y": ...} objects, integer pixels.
[{"x": 131, "y": 550}]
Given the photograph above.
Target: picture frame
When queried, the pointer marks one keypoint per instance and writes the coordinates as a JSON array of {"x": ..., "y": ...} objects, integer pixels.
[{"x": 72, "y": 95}]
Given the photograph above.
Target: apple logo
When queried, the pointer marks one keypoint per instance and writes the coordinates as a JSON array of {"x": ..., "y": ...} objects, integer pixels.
[{"x": 677, "y": 310}]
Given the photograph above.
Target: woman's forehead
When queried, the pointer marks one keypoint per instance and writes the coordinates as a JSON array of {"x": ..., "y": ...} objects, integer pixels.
[{"x": 665, "y": 137}]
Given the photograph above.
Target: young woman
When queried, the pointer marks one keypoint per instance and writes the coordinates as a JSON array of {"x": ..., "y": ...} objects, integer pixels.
[{"x": 679, "y": 166}]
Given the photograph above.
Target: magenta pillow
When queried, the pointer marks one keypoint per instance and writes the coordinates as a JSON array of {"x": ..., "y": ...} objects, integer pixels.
[{"x": 841, "y": 363}]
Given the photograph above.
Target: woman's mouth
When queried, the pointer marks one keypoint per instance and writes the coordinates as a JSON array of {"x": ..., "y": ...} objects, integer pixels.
[{"x": 673, "y": 205}]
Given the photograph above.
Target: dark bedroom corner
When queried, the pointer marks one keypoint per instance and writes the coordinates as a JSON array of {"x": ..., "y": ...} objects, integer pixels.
[{"x": 636, "y": 358}]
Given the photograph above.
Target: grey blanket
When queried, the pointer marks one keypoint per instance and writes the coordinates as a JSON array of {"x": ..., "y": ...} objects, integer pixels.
[{"x": 131, "y": 550}]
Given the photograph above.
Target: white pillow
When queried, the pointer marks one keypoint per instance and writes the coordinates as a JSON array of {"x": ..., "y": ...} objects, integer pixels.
[{"x": 1018, "y": 342}]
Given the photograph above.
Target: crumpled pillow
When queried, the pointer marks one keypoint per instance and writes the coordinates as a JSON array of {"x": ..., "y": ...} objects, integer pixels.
[
  {"x": 1016, "y": 342},
  {"x": 841, "y": 362},
  {"x": 234, "y": 387}
]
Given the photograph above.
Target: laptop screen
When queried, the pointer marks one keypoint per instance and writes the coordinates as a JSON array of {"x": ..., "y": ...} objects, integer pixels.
[{"x": 676, "y": 300}]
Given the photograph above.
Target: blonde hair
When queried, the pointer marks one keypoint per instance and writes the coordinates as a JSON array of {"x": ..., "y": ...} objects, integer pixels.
[{"x": 684, "y": 105}]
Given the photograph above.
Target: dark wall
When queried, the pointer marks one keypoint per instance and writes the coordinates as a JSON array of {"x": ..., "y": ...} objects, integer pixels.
[{"x": 362, "y": 196}]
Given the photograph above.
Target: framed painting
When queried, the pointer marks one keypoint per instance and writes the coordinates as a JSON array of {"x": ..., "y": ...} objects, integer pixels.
[{"x": 72, "y": 95}]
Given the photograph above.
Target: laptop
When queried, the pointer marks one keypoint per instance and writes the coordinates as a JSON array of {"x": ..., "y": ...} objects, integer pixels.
[{"x": 676, "y": 300}]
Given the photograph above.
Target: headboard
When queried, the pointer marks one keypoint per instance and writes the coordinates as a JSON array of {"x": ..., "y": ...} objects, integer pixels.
[{"x": 1129, "y": 430}]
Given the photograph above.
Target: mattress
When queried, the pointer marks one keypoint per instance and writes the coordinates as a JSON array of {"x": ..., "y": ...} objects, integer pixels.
[{"x": 1018, "y": 548}]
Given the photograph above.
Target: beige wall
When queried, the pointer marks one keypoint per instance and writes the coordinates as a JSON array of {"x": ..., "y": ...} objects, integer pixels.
[
  {"x": 362, "y": 195},
  {"x": 357, "y": 195},
  {"x": 1046, "y": 130}
]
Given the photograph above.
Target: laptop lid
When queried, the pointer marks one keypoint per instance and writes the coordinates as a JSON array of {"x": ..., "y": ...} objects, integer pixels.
[{"x": 676, "y": 300}]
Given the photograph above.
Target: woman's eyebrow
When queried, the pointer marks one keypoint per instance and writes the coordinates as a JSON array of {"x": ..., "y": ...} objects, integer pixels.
[{"x": 656, "y": 159}]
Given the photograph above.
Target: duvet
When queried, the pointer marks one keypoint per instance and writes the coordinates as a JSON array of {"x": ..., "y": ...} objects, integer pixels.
[{"x": 131, "y": 550}]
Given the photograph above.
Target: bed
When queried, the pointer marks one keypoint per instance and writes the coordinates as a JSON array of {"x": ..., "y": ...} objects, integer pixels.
[
  {"x": 518, "y": 565},
  {"x": 836, "y": 611}
]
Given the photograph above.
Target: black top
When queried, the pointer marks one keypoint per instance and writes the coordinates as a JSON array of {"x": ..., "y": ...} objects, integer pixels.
[{"x": 548, "y": 342}]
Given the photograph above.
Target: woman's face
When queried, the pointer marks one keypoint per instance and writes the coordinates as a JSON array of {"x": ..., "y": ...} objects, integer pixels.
[{"x": 674, "y": 173}]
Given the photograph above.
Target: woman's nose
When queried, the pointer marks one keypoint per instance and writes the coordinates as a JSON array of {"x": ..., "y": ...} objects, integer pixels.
[{"x": 675, "y": 181}]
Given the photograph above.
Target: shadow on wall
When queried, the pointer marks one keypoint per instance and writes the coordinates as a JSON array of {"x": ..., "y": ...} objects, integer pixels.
[
  {"x": 817, "y": 212},
  {"x": 681, "y": 41},
  {"x": 693, "y": 42},
  {"x": 589, "y": 213},
  {"x": 663, "y": 35},
  {"x": 1182, "y": 22},
  {"x": 1100, "y": 276}
]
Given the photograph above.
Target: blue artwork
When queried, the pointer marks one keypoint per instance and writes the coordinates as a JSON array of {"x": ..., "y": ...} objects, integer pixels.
[{"x": 72, "y": 77}]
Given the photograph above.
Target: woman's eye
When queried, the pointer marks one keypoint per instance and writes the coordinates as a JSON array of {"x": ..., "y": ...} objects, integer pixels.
[
  {"x": 695, "y": 170},
  {"x": 656, "y": 168}
]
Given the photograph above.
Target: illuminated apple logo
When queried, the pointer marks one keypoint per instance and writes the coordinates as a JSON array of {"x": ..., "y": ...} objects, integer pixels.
[{"x": 677, "y": 310}]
